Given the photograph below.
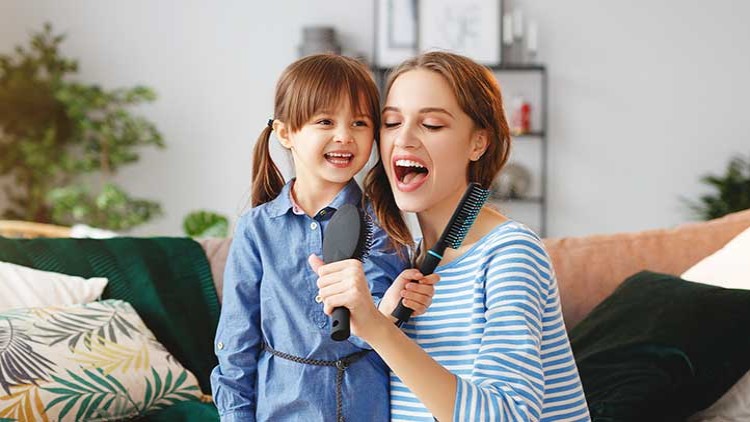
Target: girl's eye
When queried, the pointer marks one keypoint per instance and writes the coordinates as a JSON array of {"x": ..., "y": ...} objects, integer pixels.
[
  {"x": 360, "y": 123},
  {"x": 325, "y": 122}
]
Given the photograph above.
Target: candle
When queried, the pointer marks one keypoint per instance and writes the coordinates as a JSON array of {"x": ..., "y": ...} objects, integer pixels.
[
  {"x": 518, "y": 23},
  {"x": 532, "y": 43},
  {"x": 507, "y": 29}
]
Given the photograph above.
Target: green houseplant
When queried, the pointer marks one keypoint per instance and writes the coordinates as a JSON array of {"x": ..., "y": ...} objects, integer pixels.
[
  {"x": 205, "y": 224},
  {"x": 53, "y": 130},
  {"x": 730, "y": 191}
]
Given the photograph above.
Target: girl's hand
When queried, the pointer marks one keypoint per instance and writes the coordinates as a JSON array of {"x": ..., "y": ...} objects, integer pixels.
[
  {"x": 417, "y": 295},
  {"x": 343, "y": 283}
]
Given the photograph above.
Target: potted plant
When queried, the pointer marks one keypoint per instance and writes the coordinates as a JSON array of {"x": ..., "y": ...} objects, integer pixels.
[
  {"x": 53, "y": 130},
  {"x": 730, "y": 192}
]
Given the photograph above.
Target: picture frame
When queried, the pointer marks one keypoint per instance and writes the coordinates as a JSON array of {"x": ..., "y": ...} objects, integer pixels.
[
  {"x": 471, "y": 28},
  {"x": 396, "y": 31}
]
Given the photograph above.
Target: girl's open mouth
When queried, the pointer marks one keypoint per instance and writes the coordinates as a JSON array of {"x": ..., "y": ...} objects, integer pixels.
[{"x": 339, "y": 159}]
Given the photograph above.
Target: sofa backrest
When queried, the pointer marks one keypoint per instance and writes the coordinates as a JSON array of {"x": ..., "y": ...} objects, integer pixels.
[{"x": 589, "y": 268}]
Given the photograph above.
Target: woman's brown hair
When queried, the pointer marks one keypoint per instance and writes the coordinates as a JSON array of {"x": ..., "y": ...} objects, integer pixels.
[
  {"x": 305, "y": 88},
  {"x": 478, "y": 95}
]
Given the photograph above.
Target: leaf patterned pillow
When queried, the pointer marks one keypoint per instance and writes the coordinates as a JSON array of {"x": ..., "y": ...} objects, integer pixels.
[{"x": 92, "y": 362}]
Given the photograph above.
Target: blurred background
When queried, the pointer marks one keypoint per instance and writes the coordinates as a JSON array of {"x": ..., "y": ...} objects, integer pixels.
[{"x": 621, "y": 109}]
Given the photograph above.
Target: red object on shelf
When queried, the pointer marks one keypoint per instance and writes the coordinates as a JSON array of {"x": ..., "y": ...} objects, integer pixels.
[{"x": 521, "y": 118}]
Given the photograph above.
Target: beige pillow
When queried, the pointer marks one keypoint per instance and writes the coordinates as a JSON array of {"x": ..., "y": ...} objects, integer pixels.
[
  {"x": 728, "y": 267},
  {"x": 93, "y": 362},
  {"x": 24, "y": 287}
]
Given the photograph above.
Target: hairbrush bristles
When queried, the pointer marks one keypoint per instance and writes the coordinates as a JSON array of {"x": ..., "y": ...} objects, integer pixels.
[
  {"x": 364, "y": 244},
  {"x": 465, "y": 214}
]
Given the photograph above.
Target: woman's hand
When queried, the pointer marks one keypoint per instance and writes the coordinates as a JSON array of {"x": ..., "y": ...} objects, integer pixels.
[
  {"x": 417, "y": 295},
  {"x": 343, "y": 283}
]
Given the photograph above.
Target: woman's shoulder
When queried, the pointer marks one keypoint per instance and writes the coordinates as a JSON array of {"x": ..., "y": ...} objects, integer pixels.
[
  {"x": 510, "y": 233},
  {"x": 514, "y": 242}
]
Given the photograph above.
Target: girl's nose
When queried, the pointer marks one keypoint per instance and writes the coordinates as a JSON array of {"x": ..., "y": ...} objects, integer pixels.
[{"x": 343, "y": 135}]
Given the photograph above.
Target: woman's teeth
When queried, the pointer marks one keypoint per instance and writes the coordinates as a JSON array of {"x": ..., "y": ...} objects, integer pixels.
[{"x": 408, "y": 163}]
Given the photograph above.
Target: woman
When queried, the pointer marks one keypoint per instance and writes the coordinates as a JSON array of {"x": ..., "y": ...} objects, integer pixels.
[{"x": 493, "y": 345}]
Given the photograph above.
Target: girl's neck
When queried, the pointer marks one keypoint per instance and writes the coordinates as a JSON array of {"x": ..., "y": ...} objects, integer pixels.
[{"x": 312, "y": 197}]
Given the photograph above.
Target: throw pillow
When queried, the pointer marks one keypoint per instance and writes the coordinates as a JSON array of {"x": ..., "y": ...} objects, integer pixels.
[
  {"x": 93, "y": 362},
  {"x": 25, "y": 287},
  {"x": 660, "y": 348},
  {"x": 727, "y": 267}
]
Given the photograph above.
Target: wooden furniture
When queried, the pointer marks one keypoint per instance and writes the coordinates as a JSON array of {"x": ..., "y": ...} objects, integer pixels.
[{"x": 26, "y": 229}]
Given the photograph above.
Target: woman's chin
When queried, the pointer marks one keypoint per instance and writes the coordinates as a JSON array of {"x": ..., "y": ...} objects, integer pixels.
[{"x": 409, "y": 202}]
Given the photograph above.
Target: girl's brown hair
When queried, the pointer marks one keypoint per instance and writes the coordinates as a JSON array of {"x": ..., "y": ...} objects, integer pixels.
[
  {"x": 307, "y": 87},
  {"x": 478, "y": 95}
]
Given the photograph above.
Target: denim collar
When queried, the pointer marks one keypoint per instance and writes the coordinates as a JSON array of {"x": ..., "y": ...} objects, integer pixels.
[{"x": 282, "y": 204}]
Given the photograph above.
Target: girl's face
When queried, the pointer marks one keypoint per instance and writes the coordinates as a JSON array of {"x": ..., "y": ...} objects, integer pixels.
[
  {"x": 427, "y": 141},
  {"x": 331, "y": 147}
]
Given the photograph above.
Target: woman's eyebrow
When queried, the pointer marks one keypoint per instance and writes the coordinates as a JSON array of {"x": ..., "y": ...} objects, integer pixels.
[
  {"x": 421, "y": 111},
  {"x": 434, "y": 110}
]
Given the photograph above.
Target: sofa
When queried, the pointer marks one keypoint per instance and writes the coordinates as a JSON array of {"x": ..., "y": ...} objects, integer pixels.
[{"x": 588, "y": 270}]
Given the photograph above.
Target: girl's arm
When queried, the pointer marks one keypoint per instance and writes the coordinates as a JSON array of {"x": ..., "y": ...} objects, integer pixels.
[{"x": 238, "y": 335}]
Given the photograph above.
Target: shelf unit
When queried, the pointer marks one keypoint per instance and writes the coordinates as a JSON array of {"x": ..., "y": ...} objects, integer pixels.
[{"x": 538, "y": 134}]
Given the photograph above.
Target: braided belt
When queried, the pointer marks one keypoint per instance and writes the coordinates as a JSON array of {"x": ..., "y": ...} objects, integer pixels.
[{"x": 340, "y": 366}]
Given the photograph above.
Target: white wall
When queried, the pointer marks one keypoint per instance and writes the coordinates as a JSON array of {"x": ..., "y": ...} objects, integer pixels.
[{"x": 645, "y": 96}]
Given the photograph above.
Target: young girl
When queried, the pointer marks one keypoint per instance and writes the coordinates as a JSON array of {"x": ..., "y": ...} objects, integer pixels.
[
  {"x": 276, "y": 358},
  {"x": 493, "y": 345}
]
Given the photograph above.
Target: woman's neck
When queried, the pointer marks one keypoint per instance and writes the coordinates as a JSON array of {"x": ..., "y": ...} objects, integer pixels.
[
  {"x": 312, "y": 197},
  {"x": 433, "y": 221}
]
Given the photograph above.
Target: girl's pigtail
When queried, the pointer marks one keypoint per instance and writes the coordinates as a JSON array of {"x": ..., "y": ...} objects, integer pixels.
[{"x": 267, "y": 179}]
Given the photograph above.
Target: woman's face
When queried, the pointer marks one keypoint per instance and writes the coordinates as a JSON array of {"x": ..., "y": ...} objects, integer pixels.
[{"x": 427, "y": 141}]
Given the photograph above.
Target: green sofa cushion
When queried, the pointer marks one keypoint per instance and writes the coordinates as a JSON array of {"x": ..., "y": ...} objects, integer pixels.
[
  {"x": 661, "y": 348},
  {"x": 167, "y": 280},
  {"x": 185, "y": 412}
]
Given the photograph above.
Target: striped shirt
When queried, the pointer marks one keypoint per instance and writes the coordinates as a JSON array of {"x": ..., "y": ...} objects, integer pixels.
[{"x": 496, "y": 323}]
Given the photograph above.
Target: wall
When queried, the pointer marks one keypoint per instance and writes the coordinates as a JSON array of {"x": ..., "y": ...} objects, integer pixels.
[{"x": 644, "y": 96}]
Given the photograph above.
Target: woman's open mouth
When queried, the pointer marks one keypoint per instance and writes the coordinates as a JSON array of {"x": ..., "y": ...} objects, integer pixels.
[
  {"x": 339, "y": 159},
  {"x": 410, "y": 174}
]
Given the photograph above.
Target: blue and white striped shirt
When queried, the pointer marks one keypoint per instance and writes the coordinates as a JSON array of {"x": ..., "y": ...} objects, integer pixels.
[{"x": 496, "y": 323}]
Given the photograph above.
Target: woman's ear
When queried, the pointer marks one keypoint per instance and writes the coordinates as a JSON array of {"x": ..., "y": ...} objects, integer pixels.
[
  {"x": 479, "y": 143},
  {"x": 282, "y": 133}
]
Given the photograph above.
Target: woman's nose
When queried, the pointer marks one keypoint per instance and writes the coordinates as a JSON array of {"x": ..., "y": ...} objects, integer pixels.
[{"x": 404, "y": 137}]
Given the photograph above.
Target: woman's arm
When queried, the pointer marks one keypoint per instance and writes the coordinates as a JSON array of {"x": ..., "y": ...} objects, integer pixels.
[
  {"x": 507, "y": 381},
  {"x": 341, "y": 284}
]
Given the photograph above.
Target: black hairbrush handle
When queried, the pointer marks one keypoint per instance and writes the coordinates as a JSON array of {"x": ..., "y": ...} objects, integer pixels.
[
  {"x": 340, "y": 329},
  {"x": 428, "y": 265},
  {"x": 348, "y": 236}
]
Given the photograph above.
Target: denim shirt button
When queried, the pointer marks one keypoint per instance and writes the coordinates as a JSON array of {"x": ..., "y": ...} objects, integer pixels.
[
  {"x": 219, "y": 345},
  {"x": 318, "y": 299},
  {"x": 313, "y": 226}
]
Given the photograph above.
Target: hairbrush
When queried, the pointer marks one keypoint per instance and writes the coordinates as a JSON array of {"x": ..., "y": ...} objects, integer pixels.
[
  {"x": 453, "y": 235},
  {"x": 347, "y": 236}
]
